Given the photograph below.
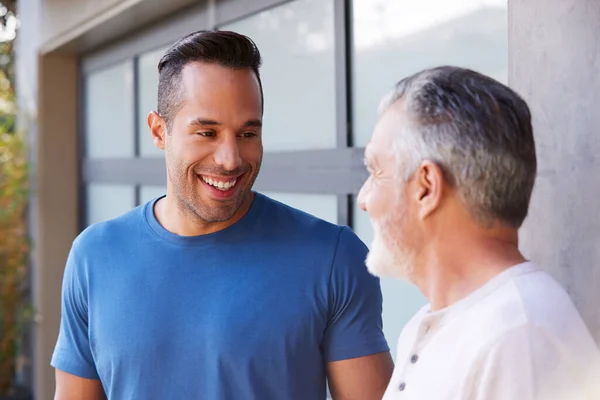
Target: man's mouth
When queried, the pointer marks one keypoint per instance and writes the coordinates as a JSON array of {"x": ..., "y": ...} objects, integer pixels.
[{"x": 221, "y": 183}]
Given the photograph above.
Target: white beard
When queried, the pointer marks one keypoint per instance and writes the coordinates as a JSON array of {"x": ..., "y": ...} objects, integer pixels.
[{"x": 384, "y": 261}]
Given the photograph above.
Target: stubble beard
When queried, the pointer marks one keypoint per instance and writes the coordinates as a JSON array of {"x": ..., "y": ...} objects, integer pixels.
[{"x": 190, "y": 203}]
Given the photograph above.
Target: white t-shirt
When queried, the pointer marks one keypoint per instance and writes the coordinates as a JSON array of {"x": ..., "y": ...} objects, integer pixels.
[{"x": 518, "y": 337}]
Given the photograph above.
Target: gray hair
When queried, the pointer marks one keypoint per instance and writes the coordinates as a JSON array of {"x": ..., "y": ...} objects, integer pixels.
[{"x": 477, "y": 130}]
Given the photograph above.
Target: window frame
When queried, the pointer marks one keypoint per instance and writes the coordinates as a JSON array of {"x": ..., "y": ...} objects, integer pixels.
[{"x": 338, "y": 171}]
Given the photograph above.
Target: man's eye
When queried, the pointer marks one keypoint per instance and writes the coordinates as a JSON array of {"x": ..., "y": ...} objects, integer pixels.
[
  {"x": 249, "y": 134},
  {"x": 206, "y": 134}
]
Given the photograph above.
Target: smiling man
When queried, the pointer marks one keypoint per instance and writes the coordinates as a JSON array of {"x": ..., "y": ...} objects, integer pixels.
[
  {"x": 214, "y": 291},
  {"x": 452, "y": 165}
]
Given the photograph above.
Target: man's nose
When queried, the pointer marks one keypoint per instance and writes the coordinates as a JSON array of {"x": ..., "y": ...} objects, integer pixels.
[
  {"x": 362, "y": 197},
  {"x": 227, "y": 154}
]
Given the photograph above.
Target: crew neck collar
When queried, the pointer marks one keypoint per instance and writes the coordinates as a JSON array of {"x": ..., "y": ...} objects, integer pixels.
[{"x": 246, "y": 221}]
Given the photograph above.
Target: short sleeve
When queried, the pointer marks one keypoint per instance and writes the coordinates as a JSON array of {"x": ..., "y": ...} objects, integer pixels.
[
  {"x": 355, "y": 327},
  {"x": 72, "y": 353}
]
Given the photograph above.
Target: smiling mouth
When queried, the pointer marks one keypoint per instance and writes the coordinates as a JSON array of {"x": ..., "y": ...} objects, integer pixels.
[{"x": 223, "y": 184}]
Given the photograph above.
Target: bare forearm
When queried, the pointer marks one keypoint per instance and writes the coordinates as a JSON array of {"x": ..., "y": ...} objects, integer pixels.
[
  {"x": 363, "y": 378},
  {"x": 70, "y": 387}
]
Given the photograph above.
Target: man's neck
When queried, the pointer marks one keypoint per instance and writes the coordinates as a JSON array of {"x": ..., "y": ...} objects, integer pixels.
[
  {"x": 180, "y": 220},
  {"x": 452, "y": 270}
]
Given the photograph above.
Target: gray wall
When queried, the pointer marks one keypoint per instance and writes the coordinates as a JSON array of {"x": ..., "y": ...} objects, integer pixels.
[{"x": 555, "y": 64}]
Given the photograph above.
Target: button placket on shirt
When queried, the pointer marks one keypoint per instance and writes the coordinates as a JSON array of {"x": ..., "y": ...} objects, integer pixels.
[{"x": 425, "y": 331}]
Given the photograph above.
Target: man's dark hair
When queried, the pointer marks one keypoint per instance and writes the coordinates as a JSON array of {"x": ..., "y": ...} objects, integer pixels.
[
  {"x": 224, "y": 48},
  {"x": 478, "y": 131}
]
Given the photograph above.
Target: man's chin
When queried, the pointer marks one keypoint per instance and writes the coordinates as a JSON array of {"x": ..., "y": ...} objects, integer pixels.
[
  {"x": 379, "y": 266},
  {"x": 218, "y": 213},
  {"x": 382, "y": 263}
]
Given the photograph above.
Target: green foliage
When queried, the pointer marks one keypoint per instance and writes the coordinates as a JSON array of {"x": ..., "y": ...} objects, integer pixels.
[
  {"x": 15, "y": 310},
  {"x": 14, "y": 250},
  {"x": 8, "y": 25},
  {"x": 8, "y": 8}
]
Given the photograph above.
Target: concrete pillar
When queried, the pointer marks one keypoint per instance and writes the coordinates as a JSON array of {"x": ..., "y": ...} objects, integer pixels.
[
  {"x": 554, "y": 63},
  {"x": 57, "y": 204}
]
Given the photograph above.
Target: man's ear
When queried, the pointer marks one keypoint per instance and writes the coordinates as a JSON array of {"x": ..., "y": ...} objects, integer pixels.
[
  {"x": 429, "y": 184},
  {"x": 158, "y": 129}
]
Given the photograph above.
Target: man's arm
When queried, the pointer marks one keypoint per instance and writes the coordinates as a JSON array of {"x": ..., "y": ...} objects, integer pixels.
[
  {"x": 362, "y": 378},
  {"x": 71, "y": 387},
  {"x": 359, "y": 365},
  {"x": 76, "y": 376}
]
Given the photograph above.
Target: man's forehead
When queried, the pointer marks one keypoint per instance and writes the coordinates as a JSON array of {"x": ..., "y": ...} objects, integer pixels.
[
  {"x": 386, "y": 128},
  {"x": 198, "y": 70},
  {"x": 377, "y": 152},
  {"x": 389, "y": 124}
]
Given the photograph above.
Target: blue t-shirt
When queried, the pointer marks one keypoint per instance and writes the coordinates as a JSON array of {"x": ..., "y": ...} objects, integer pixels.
[{"x": 253, "y": 311}]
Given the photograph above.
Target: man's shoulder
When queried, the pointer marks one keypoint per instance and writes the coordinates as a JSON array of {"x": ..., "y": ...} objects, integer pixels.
[
  {"x": 288, "y": 219},
  {"x": 111, "y": 232},
  {"x": 307, "y": 231},
  {"x": 531, "y": 302},
  {"x": 547, "y": 306},
  {"x": 285, "y": 213},
  {"x": 547, "y": 334},
  {"x": 538, "y": 299}
]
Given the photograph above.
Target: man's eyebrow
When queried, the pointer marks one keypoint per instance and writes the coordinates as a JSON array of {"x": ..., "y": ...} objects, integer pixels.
[
  {"x": 256, "y": 123},
  {"x": 204, "y": 122},
  {"x": 253, "y": 123}
]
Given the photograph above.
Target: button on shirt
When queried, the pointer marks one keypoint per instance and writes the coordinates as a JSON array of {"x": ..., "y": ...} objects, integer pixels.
[{"x": 517, "y": 337}]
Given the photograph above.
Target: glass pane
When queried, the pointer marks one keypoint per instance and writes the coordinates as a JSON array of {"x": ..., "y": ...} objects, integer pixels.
[
  {"x": 108, "y": 201},
  {"x": 323, "y": 206},
  {"x": 296, "y": 41},
  {"x": 147, "y": 99},
  {"x": 393, "y": 39},
  {"x": 109, "y": 112},
  {"x": 401, "y": 300},
  {"x": 150, "y": 192}
]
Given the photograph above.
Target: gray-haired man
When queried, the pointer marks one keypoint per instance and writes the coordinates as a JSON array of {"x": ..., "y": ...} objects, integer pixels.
[{"x": 452, "y": 166}]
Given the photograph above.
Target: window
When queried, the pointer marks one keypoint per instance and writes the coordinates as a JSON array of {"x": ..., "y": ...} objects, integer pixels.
[
  {"x": 109, "y": 105},
  {"x": 296, "y": 41},
  {"x": 150, "y": 192},
  {"x": 320, "y": 205},
  {"x": 108, "y": 201},
  {"x": 394, "y": 39}
]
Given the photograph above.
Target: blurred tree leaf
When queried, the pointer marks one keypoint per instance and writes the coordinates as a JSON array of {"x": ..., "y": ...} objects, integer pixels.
[
  {"x": 10, "y": 7},
  {"x": 15, "y": 309}
]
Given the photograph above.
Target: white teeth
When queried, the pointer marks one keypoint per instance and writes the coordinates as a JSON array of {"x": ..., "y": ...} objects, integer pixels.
[{"x": 218, "y": 184}]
